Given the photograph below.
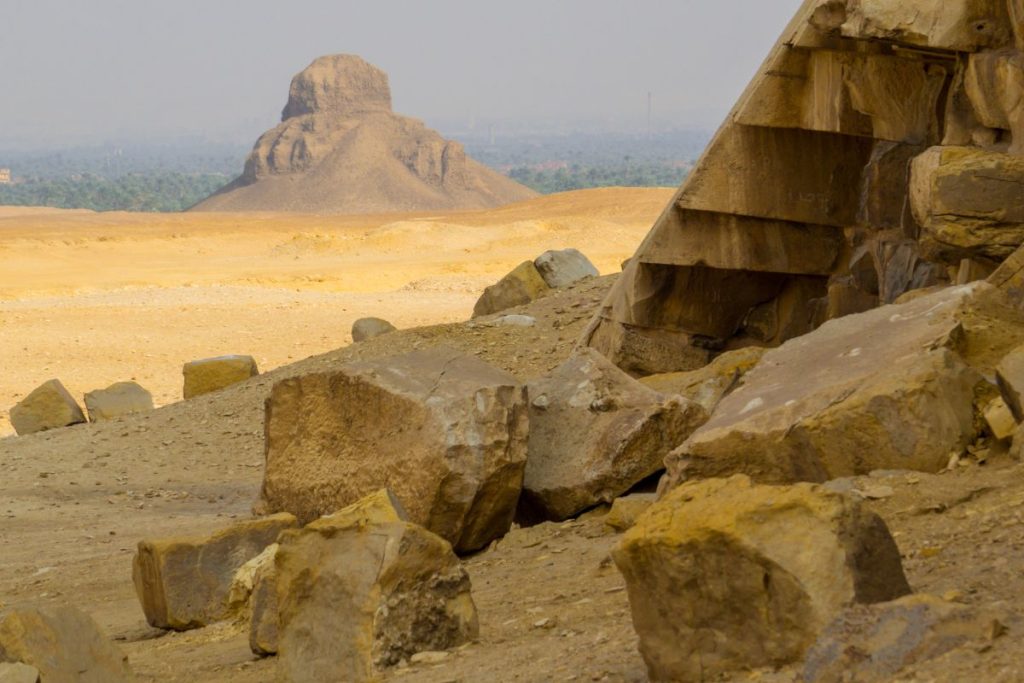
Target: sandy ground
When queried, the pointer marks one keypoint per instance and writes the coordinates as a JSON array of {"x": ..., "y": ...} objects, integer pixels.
[
  {"x": 77, "y": 501},
  {"x": 96, "y": 298}
]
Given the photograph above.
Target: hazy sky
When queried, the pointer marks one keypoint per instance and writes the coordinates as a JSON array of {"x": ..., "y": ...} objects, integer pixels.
[{"x": 120, "y": 70}]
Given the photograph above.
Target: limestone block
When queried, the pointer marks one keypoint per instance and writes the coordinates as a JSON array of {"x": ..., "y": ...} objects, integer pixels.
[
  {"x": 885, "y": 389},
  {"x": 725, "y": 575},
  {"x": 708, "y": 385},
  {"x": 368, "y": 328},
  {"x": 18, "y": 673},
  {"x": 962, "y": 25},
  {"x": 211, "y": 374},
  {"x": 595, "y": 432},
  {"x": 63, "y": 643},
  {"x": 1010, "y": 379},
  {"x": 565, "y": 267},
  {"x": 260, "y": 574},
  {"x": 521, "y": 286},
  {"x": 969, "y": 203},
  {"x": 994, "y": 82},
  {"x": 444, "y": 431},
  {"x": 117, "y": 400},
  {"x": 185, "y": 583},
  {"x": 999, "y": 419},
  {"x": 874, "y": 642},
  {"x": 627, "y": 510},
  {"x": 49, "y": 406},
  {"x": 353, "y": 602}
]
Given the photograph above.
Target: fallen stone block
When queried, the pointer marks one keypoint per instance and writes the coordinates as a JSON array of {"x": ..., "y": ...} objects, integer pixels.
[
  {"x": 521, "y": 286},
  {"x": 211, "y": 374},
  {"x": 885, "y": 389},
  {"x": 353, "y": 602},
  {"x": 185, "y": 583},
  {"x": 63, "y": 644},
  {"x": 968, "y": 202},
  {"x": 49, "y": 406},
  {"x": 565, "y": 267},
  {"x": 627, "y": 509},
  {"x": 726, "y": 575},
  {"x": 381, "y": 507},
  {"x": 18, "y": 673},
  {"x": 444, "y": 431},
  {"x": 368, "y": 328},
  {"x": 1010, "y": 379},
  {"x": 708, "y": 385},
  {"x": 999, "y": 419},
  {"x": 874, "y": 642},
  {"x": 117, "y": 400},
  {"x": 595, "y": 433}
]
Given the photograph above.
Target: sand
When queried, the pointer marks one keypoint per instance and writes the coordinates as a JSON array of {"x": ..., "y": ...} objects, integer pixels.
[{"x": 96, "y": 298}]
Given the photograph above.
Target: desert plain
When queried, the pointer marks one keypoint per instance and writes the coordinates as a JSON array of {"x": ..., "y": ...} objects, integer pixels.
[{"x": 96, "y": 298}]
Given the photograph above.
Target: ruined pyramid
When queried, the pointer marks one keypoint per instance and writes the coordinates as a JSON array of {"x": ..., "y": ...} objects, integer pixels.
[
  {"x": 341, "y": 149},
  {"x": 879, "y": 149}
]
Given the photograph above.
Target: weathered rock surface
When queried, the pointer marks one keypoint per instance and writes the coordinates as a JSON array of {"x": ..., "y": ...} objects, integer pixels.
[
  {"x": 804, "y": 209},
  {"x": 381, "y": 507},
  {"x": 595, "y": 432},
  {"x": 1000, "y": 420},
  {"x": 48, "y": 406},
  {"x": 521, "y": 286},
  {"x": 886, "y": 389},
  {"x": 185, "y": 583},
  {"x": 18, "y": 673},
  {"x": 117, "y": 400},
  {"x": 626, "y": 510},
  {"x": 368, "y": 328},
  {"x": 708, "y": 385},
  {"x": 444, "y": 431},
  {"x": 970, "y": 203},
  {"x": 340, "y": 148},
  {"x": 1010, "y": 378},
  {"x": 565, "y": 267},
  {"x": 874, "y": 642},
  {"x": 210, "y": 374},
  {"x": 354, "y": 601},
  {"x": 726, "y": 575},
  {"x": 63, "y": 643}
]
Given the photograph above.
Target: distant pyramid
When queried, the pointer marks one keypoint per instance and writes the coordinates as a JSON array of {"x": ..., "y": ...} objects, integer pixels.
[{"x": 341, "y": 149}]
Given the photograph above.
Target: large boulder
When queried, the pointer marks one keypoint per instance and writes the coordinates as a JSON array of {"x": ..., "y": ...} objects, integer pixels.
[
  {"x": 969, "y": 203},
  {"x": 523, "y": 285},
  {"x": 185, "y": 583},
  {"x": 446, "y": 432},
  {"x": 49, "y": 406},
  {"x": 63, "y": 643},
  {"x": 727, "y": 575},
  {"x": 368, "y": 328},
  {"x": 381, "y": 507},
  {"x": 210, "y": 374},
  {"x": 874, "y": 642},
  {"x": 595, "y": 432},
  {"x": 354, "y": 601},
  {"x": 117, "y": 400},
  {"x": 886, "y": 389},
  {"x": 565, "y": 267}
]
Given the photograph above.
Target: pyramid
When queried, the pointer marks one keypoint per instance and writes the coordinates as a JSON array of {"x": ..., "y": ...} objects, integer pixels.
[
  {"x": 879, "y": 149},
  {"x": 341, "y": 149}
]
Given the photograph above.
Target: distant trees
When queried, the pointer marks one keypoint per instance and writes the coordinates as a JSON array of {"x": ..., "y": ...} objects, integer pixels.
[
  {"x": 629, "y": 173},
  {"x": 149, "y": 191}
]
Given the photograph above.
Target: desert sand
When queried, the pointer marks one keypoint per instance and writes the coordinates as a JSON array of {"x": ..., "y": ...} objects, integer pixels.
[{"x": 96, "y": 298}]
